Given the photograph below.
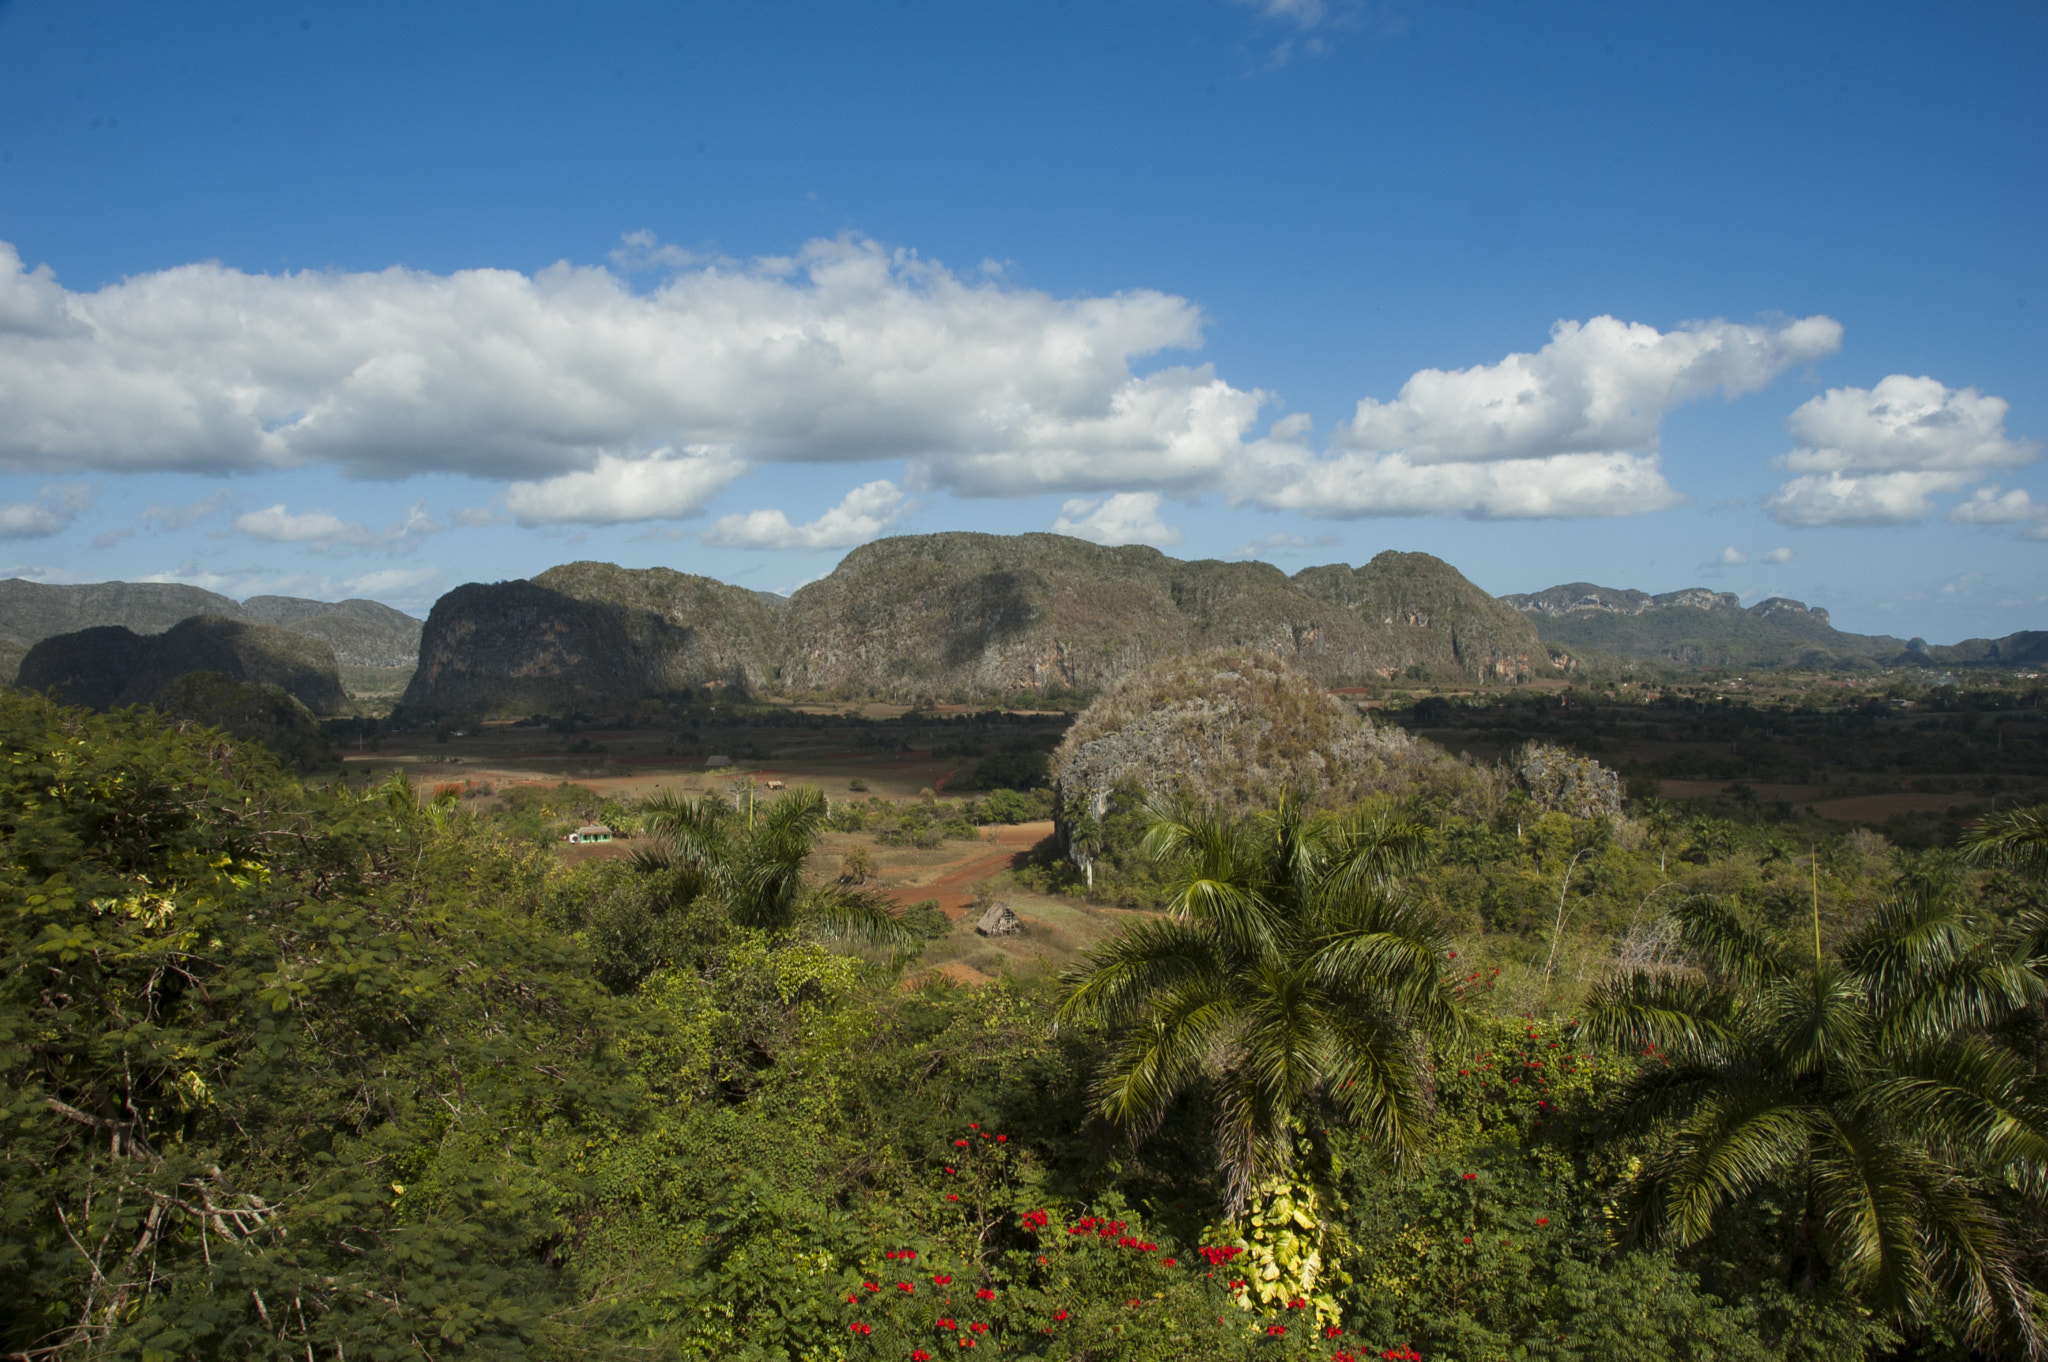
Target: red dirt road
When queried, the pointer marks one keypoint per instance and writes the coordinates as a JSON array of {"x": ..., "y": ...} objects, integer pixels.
[{"x": 954, "y": 890}]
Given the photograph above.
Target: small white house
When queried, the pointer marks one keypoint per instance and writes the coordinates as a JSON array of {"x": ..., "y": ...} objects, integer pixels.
[{"x": 590, "y": 832}]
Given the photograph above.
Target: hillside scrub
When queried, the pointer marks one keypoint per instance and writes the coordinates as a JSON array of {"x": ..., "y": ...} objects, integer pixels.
[{"x": 293, "y": 1071}]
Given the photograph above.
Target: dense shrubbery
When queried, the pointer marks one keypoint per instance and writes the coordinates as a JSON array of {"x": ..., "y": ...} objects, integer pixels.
[{"x": 287, "y": 1071}]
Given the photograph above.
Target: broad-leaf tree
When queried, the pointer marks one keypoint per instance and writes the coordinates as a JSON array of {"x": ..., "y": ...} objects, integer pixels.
[
  {"x": 1288, "y": 974},
  {"x": 1871, "y": 1088}
]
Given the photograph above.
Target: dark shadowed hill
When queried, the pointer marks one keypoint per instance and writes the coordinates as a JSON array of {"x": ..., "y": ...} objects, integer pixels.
[
  {"x": 110, "y": 665},
  {"x": 362, "y": 633},
  {"x": 251, "y": 712},
  {"x": 591, "y": 636}
]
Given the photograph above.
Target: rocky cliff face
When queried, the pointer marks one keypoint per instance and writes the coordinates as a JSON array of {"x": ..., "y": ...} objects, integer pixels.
[
  {"x": 111, "y": 665},
  {"x": 1422, "y": 612},
  {"x": 981, "y": 616},
  {"x": 362, "y": 633},
  {"x": 594, "y": 637}
]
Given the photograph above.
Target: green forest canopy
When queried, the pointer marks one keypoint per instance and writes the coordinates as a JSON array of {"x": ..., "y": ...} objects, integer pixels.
[{"x": 287, "y": 1070}]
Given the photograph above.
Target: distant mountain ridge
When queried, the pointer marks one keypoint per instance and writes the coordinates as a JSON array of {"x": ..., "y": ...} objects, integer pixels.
[
  {"x": 361, "y": 633},
  {"x": 1700, "y": 627},
  {"x": 954, "y": 616}
]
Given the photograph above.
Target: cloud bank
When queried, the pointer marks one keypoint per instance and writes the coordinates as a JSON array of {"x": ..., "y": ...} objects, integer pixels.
[
  {"x": 1570, "y": 430},
  {"x": 595, "y": 404},
  {"x": 1874, "y": 456}
]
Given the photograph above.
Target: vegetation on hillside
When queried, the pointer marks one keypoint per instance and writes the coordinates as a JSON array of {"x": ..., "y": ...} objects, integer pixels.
[{"x": 292, "y": 1070}]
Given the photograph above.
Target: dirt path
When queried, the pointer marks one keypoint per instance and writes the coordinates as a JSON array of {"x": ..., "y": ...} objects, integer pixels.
[{"x": 954, "y": 890}]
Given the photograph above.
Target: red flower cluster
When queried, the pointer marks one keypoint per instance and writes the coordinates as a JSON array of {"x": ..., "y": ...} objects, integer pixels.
[
  {"x": 901, "y": 1255},
  {"x": 920, "y": 1355},
  {"x": 1036, "y": 1220},
  {"x": 1220, "y": 1255},
  {"x": 1104, "y": 1229},
  {"x": 1059, "y": 1314},
  {"x": 978, "y": 1327},
  {"x": 905, "y": 1286},
  {"x": 945, "y": 1323},
  {"x": 943, "y": 1280},
  {"x": 1298, "y": 1303},
  {"x": 982, "y": 1293},
  {"x": 1401, "y": 1355},
  {"x": 862, "y": 1329},
  {"x": 1276, "y": 1331}
]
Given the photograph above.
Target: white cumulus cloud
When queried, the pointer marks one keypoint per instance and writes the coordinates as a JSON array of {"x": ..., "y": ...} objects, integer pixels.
[
  {"x": 1125, "y": 518},
  {"x": 49, "y": 513},
  {"x": 1570, "y": 430},
  {"x": 1874, "y": 456},
  {"x": 1732, "y": 557},
  {"x": 323, "y": 530},
  {"x": 663, "y": 485},
  {"x": 1779, "y": 556},
  {"x": 1986, "y": 506},
  {"x": 845, "y": 352},
  {"x": 867, "y": 511}
]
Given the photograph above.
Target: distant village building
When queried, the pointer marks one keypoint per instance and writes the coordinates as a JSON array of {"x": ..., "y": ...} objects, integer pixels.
[
  {"x": 590, "y": 832},
  {"x": 718, "y": 759}
]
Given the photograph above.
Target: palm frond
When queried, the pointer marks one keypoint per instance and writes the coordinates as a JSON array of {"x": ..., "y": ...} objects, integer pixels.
[
  {"x": 1176, "y": 1046},
  {"x": 860, "y": 915},
  {"x": 1867, "y": 1190},
  {"x": 1683, "y": 1017},
  {"x": 1374, "y": 1076},
  {"x": 1974, "y": 1098},
  {"x": 1120, "y": 978},
  {"x": 1734, "y": 1144},
  {"x": 1375, "y": 942},
  {"x": 1712, "y": 931},
  {"x": 1373, "y": 846},
  {"x": 2017, "y": 838}
]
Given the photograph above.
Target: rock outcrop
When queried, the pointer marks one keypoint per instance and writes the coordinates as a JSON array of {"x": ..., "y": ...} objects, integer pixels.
[
  {"x": 593, "y": 637},
  {"x": 1564, "y": 782},
  {"x": 111, "y": 665},
  {"x": 1231, "y": 729}
]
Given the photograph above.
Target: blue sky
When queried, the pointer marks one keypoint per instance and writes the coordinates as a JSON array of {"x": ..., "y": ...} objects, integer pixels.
[{"x": 376, "y": 299}]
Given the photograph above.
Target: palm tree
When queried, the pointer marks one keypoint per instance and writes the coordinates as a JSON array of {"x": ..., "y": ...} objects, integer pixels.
[
  {"x": 1874, "y": 1086},
  {"x": 751, "y": 864},
  {"x": 2017, "y": 838},
  {"x": 1287, "y": 972}
]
